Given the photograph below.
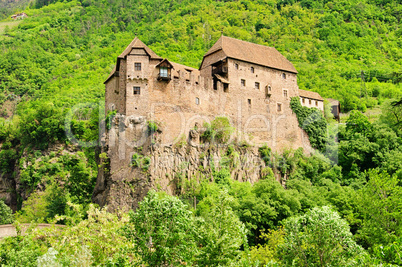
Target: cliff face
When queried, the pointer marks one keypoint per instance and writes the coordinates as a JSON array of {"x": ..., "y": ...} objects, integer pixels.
[
  {"x": 134, "y": 160},
  {"x": 8, "y": 190},
  {"x": 34, "y": 170}
]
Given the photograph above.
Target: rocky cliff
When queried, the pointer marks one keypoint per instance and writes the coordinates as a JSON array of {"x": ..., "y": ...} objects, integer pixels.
[{"x": 128, "y": 171}]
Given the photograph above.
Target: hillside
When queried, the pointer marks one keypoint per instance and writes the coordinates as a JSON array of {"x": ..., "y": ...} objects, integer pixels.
[
  {"x": 53, "y": 65},
  {"x": 8, "y": 7}
]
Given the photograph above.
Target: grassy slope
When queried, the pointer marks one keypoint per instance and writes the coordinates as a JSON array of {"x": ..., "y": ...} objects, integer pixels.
[{"x": 9, "y": 24}]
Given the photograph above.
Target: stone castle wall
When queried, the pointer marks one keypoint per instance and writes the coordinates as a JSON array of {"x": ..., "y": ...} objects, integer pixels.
[{"x": 259, "y": 115}]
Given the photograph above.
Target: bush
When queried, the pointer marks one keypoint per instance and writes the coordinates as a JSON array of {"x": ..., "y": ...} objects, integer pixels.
[
  {"x": 152, "y": 127},
  {"x": 6, "y": 214},
  {"x": 218, "y": 131}
]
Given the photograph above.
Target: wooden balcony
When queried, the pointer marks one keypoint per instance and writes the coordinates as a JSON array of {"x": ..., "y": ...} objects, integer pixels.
[
  {"x": 220, "y": 69},
  {"x": 164, "y": 77}
]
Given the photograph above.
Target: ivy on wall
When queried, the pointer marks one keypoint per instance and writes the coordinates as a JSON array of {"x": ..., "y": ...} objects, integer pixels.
[{"x": 312, "y": 121}]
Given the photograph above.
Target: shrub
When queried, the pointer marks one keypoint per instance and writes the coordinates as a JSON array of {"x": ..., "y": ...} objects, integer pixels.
[
  {"x": 6, "y": 214},
  {"x": 218, "y": 131},
  {"x": 152, "y": 127}
]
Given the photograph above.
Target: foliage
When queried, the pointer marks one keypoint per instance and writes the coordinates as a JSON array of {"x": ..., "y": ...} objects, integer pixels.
[
  {"x": 220, "y": 130},
  {"x": 152, "y": 127},
  {"x": 392, "y": 114},
  {"x": 268, "y": 252},
  {"x": 318, "y": 238},
  {"x": 109, "y": 118},
  {"x": 163, "y": 231},
  {"x": 140, "y": 161},
  {"x": 6, "y": 214},
  {"x": 34, "y": 209},
  {"x": 96, "y": 240},
  {"x": 220, "y": 233},
  {"x": 380, "y": 207},
  {"x": 7, "y": 159},
  {"x": 99, "y": 235},
  {"x": 21, "y": 251},
  {"x": 60, "y": 55},
  {"x": 312, "y": 121},
  {"x": 364, "y": 145},
  {"x": 390, "y": 253}
]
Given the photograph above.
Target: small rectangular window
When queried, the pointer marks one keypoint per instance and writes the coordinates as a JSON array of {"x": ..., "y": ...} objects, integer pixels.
[
  {"x": 285, "y": 93},
  {"x": 316, "y": 103},
  {"x": 197, "y": 101},
  {"x": 309, "y": 101},
  {"x": 279, "y": 107},
  {"x": 257, "y": 85},
  {"x": 163, "y": 72},
  {"x": 243, "y": 83},
  {"x": 236, "y": 66},
  {"x": 303, "y": 100},
  {"x": 137, "y": 66},
  {"x": 136, "y": 90},
  {"x": 225, "y": 87},
  {"x": 249, "y": 102},
  {"x": 252, "y": 69}
]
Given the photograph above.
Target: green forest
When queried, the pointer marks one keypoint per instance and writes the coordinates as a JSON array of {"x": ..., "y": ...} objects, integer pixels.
[{"x": 341, "y": 206}]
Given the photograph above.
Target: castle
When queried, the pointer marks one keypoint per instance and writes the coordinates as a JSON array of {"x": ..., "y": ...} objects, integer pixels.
[
  {"x": 250, "y": 84},
  {"x": 247, "y": 83}
]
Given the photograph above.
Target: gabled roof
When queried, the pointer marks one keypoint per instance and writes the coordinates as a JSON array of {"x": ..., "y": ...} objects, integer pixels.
[
  {"x": 253, "y": 53},
  {"x": 333, "y": 102},
  {"x": 110, "y": 75},
  {"x": 311, "y": 95},
  {"x": 183, "y": 69},
  {"x": 164, "y": 63},
  {"x": 137, "y": 43}
]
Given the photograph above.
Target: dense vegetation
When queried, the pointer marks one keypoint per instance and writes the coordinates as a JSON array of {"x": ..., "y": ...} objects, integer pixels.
[
  {"x": 8, "y": 7},
  {"x": 343, "y": 206}
]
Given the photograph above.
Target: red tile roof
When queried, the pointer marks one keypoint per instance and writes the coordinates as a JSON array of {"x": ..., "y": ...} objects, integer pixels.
[
  {"x": 253, "y": 53},
  {"x": 311, "y": 95}
]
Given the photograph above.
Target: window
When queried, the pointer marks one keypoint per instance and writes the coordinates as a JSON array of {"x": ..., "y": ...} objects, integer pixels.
[
  {"x": 137, "y": 66},
  {"x": 309, "y": 101},
  {"x": 163, "y": 72},
  {"x": 252, "y": 69},
  {"x": 284, "y": 75},
  {"x": 316, "y": 103},
  {"x": 225, "y": 87},
  {"x": 236, "y": 66},
  {"x": 257, "y": 85},
  {"x": 268, "y": 91},
  {"x": 243, "y": 83},
  {"x": 215, "y": 84},
  {"x": 285, "y": 93},
  {"x": 197, "y": 101},
  {"x": 303, "y": 100},
  {"x": 136, "y": 90},
  {"x": 249, "y": 102},
  {"x": 279, "y": 107}
]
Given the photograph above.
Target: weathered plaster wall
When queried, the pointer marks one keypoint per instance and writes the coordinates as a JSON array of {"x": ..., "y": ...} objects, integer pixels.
[{"x": 312, "y": 103}]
